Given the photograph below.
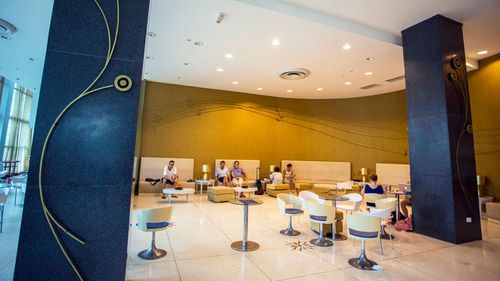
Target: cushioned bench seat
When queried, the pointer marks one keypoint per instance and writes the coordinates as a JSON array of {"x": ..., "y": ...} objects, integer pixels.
[
  {"x": 219, "y": 194},
  {"x": 275, "y": 189},
  {"x": 493, "y": 211}
]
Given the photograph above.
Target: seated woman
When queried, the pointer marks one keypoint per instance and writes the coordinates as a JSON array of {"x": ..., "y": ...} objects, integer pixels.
[
  {"x": 238, "y": 176},
  {"x": 372, "y": 187},
  {"x": 289, "y": 175},
  {"x": 222, "y": 174},
  {"x": 276, "y": 176}
]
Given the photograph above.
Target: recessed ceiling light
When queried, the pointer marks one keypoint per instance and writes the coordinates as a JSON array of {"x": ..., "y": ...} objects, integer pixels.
[
  {"x": 289, "y": 91},
  {"x": 482, "y": 52},
  {"x": 18, "y": 78},
  {"x": 275, "y": 42},
  {"x": 348, "y": 83},
  {"x": 346, "y": 46},
  {"x": 219, "y": 69},
  {"x": 180, "y": 78},
  {"x": 370, "y": 58},
  {"x": 147, "y": 73},
  {"x": 6, "y": 37},
  {"x": 368, "y": 73},
  {"x": 198, "y": 43},
  {"x": 31, "y": 59},
  {"x": 260, "y": 89},
  {"x": 229, "y": 56},
  {"x": 187, "y": 63},
  {"x": 236, "y": 82},
  {"x": 189, "y": 40},
  {"x": 151, "y": 34},
  {"x": 319, "y": 89}
]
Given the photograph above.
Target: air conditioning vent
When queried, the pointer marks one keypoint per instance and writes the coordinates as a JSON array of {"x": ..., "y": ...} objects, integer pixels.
[
  {"x": 371, "y": 86},
  {"x": 293, "y": 73},
  {"x": 395, "y": 79}
]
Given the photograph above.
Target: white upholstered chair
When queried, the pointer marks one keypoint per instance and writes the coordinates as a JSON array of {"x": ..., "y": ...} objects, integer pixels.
[
  {"x": 153, "y": 220},
  {"x": 289, "y": 205},
  {"x": 362, "y": 226}
]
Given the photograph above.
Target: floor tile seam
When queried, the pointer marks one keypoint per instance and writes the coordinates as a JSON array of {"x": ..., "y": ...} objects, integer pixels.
[
  {"x": 204, "y": 257},
  {"x": 173, "y": 255},
  {"x": 315, "y": 273},
  {"x": 224, "y": 233},
  {"x": 256, "y": 265}
]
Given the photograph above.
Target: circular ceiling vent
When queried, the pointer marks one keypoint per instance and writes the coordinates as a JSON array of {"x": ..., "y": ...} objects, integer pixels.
[
  {"x": 6, "y": 29},
  {"x": 293, "y": 73}
]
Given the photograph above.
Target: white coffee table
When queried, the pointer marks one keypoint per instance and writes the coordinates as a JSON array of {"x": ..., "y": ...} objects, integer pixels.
[
  {"x": 248, "y": 190},
  {"x": 202, "y": 182},
  {"x": 173, "y": 191}
]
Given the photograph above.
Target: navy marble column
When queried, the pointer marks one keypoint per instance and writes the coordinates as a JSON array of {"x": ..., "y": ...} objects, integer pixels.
[
  {"x": 444, "y": 191},
  {"x": 87, "y": 171}
]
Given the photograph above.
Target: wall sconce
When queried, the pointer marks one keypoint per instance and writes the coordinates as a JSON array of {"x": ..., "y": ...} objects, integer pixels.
[
  {"x": 364, "y": 173},
  {"x": 205, "y": 169}
]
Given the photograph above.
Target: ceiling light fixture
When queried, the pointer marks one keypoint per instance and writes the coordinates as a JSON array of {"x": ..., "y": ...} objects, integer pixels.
[
  {"x": 236, "y": 82},
  {"x": 482, "y": 52},
  {"x": 260, "y": 89},
  {"x": 220, "y": 17},
  {"x": 346, "y": 46},
  {"x": 368, "y": 73},
  {"x": 229, "y": 55},
  {"x": 198, "y": 43},
  {"x": 180, "y": 78},
  {"x": 370, "y": 58},
  {"x": 219, "y": 69},
  {"x": 187, "y": 63},
  {"x": 31, "y": 59},
  {"x": 289, "y": 91},
  {"x": 275, "y": 42},
  {"x": 319, "y": 89},
  {"x": 151, "y": 34},
  {"x": 147, "y": 73},
  {"x": 348, "y": 83}
]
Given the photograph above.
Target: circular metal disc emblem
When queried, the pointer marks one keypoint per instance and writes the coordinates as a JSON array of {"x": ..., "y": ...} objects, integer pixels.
[{"x": 123, "y": 83}]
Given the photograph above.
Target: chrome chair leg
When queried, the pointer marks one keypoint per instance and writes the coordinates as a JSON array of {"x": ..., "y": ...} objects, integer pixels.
[
  {"x": 152, "y": 253},
  {"x": 362, "y": 262},
  {"x": 321, "y": 241},
  {"x": 290, "y": 231}
]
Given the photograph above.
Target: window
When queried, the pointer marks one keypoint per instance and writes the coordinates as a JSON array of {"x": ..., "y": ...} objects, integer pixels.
[{"x": 19, "y": 134}]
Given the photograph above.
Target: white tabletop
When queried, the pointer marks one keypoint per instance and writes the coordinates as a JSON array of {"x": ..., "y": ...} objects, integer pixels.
[
  {"x": 178, "y": 191},
  {"x": 201, "y": 181},
  {"x": 248, "y": 189}
]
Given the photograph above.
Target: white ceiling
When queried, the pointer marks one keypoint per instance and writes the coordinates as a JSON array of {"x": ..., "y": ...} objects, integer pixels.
[
  {"x": 311, "y": 32},
  {"x": 22, "y": 57}
]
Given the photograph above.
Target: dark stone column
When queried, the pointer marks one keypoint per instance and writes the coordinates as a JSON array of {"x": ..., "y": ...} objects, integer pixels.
[
  {"x": 87, "y": 170},
  {"x": 439, "y": 121}
]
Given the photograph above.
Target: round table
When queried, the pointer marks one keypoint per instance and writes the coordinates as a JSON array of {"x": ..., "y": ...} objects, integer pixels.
[
  {"x": 336, "y": 236},
  {"x": 245, "y": 245},
  {"x": 248, "y": 190},
  {"x": 184, "y": 191}
]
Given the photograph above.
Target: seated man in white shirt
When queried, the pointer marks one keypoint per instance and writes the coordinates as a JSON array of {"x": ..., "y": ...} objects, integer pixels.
[
  {"x": 169, "y": 176},
  {"x": 222, "y": 173},
  {"x": 277, "y": 176}
]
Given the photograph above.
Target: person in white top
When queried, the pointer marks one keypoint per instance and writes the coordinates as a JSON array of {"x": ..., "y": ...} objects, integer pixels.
[
  {"x": 277, "y": 176},
  {"x": 169, "y": 176},
  {"x": 222, "y": 173},
  {"x": 289, "y": 175}
]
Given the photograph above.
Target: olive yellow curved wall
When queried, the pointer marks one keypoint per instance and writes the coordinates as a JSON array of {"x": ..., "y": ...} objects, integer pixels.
[
  {"x": 206, "y": 124},
  {"x": 484, "y": 86}
]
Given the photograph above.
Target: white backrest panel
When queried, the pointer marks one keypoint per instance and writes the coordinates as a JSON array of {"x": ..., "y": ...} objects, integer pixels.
[
  {"x": 152, "y": 167},
  {"x": 392, "y": 173},
  {"x": 320, "y": 170},
  {"x": 249, "y": 166}
]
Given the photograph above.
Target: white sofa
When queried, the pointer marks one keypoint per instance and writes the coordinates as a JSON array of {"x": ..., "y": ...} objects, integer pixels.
[{"x": 152, "y": 167}]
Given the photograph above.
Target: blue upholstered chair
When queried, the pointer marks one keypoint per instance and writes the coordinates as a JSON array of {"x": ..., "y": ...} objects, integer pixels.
[
  {"x": 290, "y": 205},
  {"x": 153, "y": 220}
]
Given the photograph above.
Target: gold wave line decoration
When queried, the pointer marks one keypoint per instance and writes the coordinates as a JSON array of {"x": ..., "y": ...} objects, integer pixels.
[
  {"x": 277, "y": 112},
  {"x": 276, "y": 108},
  {"x": 51, "y": 220},
  {"x": 193, "y": 112}
]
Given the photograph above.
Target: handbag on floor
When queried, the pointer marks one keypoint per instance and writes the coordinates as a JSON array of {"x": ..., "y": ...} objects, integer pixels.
[{"x": 405, "y": 225}]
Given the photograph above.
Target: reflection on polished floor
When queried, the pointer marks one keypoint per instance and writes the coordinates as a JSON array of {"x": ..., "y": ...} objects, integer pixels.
[{"x": 199, "y": 248}]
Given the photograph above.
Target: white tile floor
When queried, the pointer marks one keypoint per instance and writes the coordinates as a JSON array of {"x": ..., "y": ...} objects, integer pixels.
[{"x": 199, "y": 249}]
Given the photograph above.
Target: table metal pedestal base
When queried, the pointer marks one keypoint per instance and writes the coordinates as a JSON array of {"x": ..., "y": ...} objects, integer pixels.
[{"x": 239, "y": 246}]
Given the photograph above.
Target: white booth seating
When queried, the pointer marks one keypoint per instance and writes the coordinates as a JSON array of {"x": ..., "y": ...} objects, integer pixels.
[
  {"x": 152, "y": 167},
  {"x": 319, "y": 172},
  {"x": 249, "y": 167}
]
